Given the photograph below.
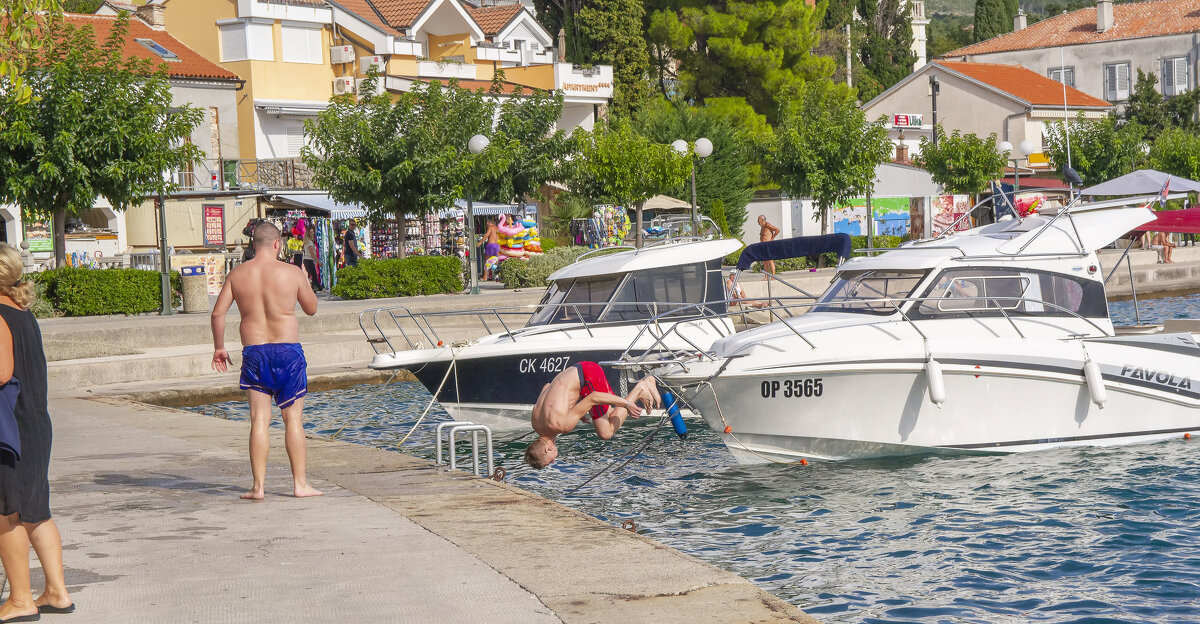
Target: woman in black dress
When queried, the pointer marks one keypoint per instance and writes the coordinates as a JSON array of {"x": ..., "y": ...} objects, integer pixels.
[{"x": 25, "y": 486}]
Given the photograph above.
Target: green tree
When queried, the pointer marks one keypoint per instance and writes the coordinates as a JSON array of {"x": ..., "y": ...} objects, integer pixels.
[
  {"x": 826, "y": 149},
  {"x": 614, "y": 164},
  {"x": 608, "y": 32},
  {"x": 728, "y": 175},
  {"x": 751, "y": 49},
  {"x": 1155, "y": 112},
  {"x": 23, "y": 32},
  {"x": 408, "y": 153},
  {"x": 81, "y": 6},
  {"x": 98, "y": 124},
  {"x": 962, "y": 163},
  {"x": 881, "y": 42},
  {"x": 1177, "y": 152},
  {"x": 992, "y": 18},
  {"x": 948, "y": 32},
  {"x": 1099, "y": 150}
]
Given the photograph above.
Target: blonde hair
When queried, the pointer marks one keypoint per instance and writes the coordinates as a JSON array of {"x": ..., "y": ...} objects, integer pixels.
[{"x": 11, "y": 271}]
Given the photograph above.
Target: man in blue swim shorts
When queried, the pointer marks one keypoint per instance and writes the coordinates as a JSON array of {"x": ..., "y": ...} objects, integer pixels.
[{"x": 273, "y": 367}]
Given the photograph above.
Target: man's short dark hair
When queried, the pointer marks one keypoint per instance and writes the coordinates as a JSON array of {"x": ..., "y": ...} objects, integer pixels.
[{"x": 265, "y": 234}]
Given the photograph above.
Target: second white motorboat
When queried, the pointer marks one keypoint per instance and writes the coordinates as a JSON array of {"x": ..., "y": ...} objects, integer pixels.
[{"x": 994, "y": 339}]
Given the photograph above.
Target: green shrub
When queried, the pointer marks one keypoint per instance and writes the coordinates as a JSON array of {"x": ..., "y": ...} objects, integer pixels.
[
  {"x": 532, "y": 273},
  {"x": 41, "y": 308},
  {"x": 92, "y": 292},
  {"x": 548, "y": 244},
  {"x": 400, "y": 277}
]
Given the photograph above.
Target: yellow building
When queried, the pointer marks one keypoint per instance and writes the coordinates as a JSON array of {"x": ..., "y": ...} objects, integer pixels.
[{"x": 295, "y": 54}]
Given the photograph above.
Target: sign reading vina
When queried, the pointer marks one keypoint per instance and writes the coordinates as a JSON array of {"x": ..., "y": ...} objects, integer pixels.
[{"x": 906, "y": 121}]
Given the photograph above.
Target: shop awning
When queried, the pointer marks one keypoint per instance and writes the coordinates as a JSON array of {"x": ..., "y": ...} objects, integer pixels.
[
  {"x": 322, "y": 202},
  {"x": 487, "y": 209}
]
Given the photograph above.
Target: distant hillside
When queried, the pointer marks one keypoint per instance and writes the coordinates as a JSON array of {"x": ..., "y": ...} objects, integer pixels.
[
  {"x": 1035, "y": 8},
  {"x": 950, "y": 7}
]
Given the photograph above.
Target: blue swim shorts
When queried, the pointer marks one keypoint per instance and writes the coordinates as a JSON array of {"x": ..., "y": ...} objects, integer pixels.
[{"x": 275, "y": 369}]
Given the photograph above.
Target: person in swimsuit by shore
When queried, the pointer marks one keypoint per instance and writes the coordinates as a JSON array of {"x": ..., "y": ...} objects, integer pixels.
[
  {"x": 582, "y": 393},
  {"x": 273, "y": 366},
  {"x": 767, "y": 232},
  {"x": 491, "y": 240}
]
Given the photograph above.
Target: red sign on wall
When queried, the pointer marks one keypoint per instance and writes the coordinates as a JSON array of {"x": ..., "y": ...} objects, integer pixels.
[
  {"x": 214, "y": 224},
  {"x": 906, "y": 121}
]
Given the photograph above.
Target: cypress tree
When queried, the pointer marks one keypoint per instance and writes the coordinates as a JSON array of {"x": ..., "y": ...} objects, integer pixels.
[{"x": 992, "y": 18}]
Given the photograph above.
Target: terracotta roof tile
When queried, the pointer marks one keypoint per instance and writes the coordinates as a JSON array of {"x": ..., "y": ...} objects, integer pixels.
[
  {"x": 364, "y": 10},
  {"x": 1130, "y": 21},
  {"x": 189, "y": 65},
  {"x": 493, "y": 19},
  {"x": 400, "y": 13},
  {"x": 1023, "y": 83}
]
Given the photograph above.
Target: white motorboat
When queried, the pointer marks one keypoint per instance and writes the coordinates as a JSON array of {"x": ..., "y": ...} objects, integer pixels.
[
  {"x": 991, "y": 340},
  {"x": 593, "y": 310}
]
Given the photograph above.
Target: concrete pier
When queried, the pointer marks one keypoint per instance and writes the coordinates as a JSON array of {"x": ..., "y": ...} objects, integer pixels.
[{"x": 154, "y": 531}]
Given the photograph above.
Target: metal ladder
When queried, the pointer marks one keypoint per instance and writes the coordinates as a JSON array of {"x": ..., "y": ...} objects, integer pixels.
[{"x": 453, "y": 428}]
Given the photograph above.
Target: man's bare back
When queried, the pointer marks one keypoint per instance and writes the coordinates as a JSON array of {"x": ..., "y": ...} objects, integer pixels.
[
  {"x": 267, "y": 291},
  {"x": 492, "y": 235}
]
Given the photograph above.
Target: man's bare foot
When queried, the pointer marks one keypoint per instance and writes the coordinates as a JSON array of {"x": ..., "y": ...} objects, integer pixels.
[
  {"x": 253, "y": 495},
  {"x": 303, "y": 491}
]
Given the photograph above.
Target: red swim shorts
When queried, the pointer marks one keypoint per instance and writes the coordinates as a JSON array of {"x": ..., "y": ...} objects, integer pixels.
[{"x": 592, "y": 379}]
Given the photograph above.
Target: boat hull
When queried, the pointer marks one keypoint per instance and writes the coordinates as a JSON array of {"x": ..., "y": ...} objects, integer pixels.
[{"x": 992, "y": 404}]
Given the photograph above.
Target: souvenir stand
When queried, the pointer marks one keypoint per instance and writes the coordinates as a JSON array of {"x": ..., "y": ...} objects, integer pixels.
[{"x": 608, "y": 227}]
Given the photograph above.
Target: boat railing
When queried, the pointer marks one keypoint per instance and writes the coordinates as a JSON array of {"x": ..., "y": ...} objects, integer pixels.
[
  {"x": 388, "y": 328},
  {"x": 651, "y": 356}
]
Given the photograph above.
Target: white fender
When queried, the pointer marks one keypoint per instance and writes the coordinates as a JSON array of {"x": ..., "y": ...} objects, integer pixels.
[
  {"x": 937, "y": 385},
  {"x": 1095, "y": 382}
]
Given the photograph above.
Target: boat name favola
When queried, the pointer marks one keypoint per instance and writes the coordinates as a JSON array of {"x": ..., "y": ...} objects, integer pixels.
[{"x": 1159, "y": 377}]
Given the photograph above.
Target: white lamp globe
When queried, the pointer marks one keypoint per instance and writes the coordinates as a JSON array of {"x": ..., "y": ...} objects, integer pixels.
[
  {"x": 478, "y": 143},
  {"x": 1026, "y": 148},
  {"x": 704, "y": 148},
  {"x": 680, "y": 146},
  {"x": 1004, "y": 147}
]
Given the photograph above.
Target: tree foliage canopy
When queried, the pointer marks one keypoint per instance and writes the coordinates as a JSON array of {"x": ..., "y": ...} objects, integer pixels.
[
  {"x": 614, "y": 164},
  {"x": 881, "y": 42},
  {"x": 22, "y": 33},
  {"x": 962, "y": 163},
  {"x": 727, "y": 177},
  {"x": 750, "y": 49},
  {"x": 408, "y": 153},
  {"x": 993, "y": 17},
  {"x": 825, "y": 148},
  {"x": 1177, "y": 152},
  {"x": 98, "y": 124},
  {"x": 1100, "y": 150},
  {"x": 1154, "y": 112}
]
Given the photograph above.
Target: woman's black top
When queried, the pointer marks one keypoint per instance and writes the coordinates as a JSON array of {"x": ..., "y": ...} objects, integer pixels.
[{"x": 25, "y": 488}]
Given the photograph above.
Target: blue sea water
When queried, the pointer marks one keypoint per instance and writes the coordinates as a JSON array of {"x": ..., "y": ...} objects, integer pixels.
[
  {"x": 1154, "y": 311},
  {"x": 1070, "y": 535}
]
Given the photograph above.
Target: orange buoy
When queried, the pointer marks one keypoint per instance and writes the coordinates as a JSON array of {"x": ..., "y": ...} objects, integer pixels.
[
  {"x": 1187, "y": 436},
  {"x": 728, "y": 429},
  {"x": 804, "y": 462}
]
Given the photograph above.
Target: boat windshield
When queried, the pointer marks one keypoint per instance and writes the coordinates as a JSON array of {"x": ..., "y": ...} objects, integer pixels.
[
  {"x": 859, "y": 291},
  {"x": 997, "y": 291},
  {"x": 633, "y": 297}
]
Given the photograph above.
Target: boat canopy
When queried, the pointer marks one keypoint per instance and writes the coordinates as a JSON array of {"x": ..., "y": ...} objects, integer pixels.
[
  {"x": 658, "y": 256},
  {"x": 797, "y": 247}
]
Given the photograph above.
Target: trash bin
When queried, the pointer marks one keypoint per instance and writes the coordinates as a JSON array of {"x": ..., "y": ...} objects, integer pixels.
[{"x": 195, "y": 289}]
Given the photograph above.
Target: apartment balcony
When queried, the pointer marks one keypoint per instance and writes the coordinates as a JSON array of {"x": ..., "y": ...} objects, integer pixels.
[
  {"x": 296, "y": 10},
  {"x": 514, "y": 57},
  {"x": 408, "y": 47},
  {"x": 250, "y": 175},
  {"x": 434, "y": 69}
]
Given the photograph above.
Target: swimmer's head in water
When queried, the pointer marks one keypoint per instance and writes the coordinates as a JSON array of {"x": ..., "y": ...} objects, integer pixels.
[{"x": 541, "y": 453}]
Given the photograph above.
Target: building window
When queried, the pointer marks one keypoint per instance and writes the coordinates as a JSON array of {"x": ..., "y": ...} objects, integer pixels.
[
  {"x": 302, "y": 44},
  {"x": 1116, "y": 82},
  {"x": 247, "y": 41},
  {"x": 295, "y": 138},
  {"x": 158, "y": 49},
  {"x": 1064, "y": 75},
  {"x": 1175, "y": 76}
]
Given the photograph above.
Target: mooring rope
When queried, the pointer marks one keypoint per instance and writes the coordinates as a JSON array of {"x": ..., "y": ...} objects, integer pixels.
[
  {"x": 645, "y": 443},
  {"x": 433, "y": 399},
  {"x": 378, "y": 391}
]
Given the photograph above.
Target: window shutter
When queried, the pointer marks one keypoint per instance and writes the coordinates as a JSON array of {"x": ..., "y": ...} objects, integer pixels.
[
  {"x": 295, "y": 138},
  {"x": 1123, "y": 81},
  {"x": 1180, "y": 74},
  {"x": 1168, "y": 77},
  {"x": 233, "y": 42},
  {"x": 301, "y": 45},
  {"x": 1110, "y": 82},
  {"x": 260, "y": 42},
  {"x": 1069, "y": 76}
]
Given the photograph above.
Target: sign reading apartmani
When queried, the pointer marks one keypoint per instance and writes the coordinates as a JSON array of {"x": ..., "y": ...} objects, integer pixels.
[{"x": 214, "y": 224}]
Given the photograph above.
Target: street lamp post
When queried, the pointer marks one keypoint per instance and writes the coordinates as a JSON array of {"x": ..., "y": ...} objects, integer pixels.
[
  {"x": 476, "y": 145},
  {"x": 1024, "y": 149},
  {"x": 702, "y": 148}
]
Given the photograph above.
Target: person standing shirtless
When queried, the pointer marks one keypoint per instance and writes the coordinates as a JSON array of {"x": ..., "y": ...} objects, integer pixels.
[
  {"x": 582, "y": 393},
  {"x": 491, "y": 240},
  {"x": 767, "y": 232},
  {"x": 273, "y": 366}
]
